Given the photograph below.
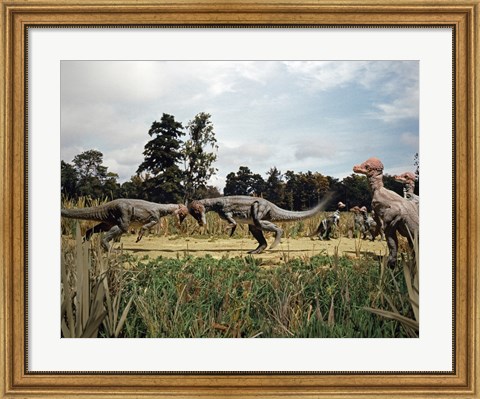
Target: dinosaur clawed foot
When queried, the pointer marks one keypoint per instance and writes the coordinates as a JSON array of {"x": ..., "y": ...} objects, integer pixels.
[
  {"x": 391, "y": 263},
  {"x": 258, "y": 250}
]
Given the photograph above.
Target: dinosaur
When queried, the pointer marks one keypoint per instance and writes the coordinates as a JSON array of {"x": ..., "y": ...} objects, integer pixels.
[
  {"x": 116, "y": 216},
  {"x": 364, "y": 223},
  {"x": 326, "y": 226},
  {"x": 258, "y": 213},
  {"x": 395, "y": 212},
  {"x": 408, "y": 179},
  {"x": 358, "y": 220},
  {"x": 369, "y": 224}
]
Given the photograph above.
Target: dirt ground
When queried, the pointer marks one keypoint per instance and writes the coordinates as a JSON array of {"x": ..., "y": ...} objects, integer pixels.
[{"x": 154, "y": 246}]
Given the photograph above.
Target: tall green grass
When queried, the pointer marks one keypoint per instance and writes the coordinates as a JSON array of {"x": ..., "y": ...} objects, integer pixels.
[{"x": 240, "y": 297}]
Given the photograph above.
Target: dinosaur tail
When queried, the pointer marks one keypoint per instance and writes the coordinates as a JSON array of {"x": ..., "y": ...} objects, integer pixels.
[
  {"x": 282, "y": 215},
  {"x": 98, "y": 213}
]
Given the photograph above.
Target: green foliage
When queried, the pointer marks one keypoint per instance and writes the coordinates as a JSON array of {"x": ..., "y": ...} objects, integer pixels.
[
  {"x": 275, "y": 187},
  {"x": 134, "y": 188},
  {"x": 197, "y": 159},
  {"x": 239, "y": 297},
  {"x": 69, "y": 180},
  {"x": 244, "y": 182},
  {"x": 92, "y": 304},
  {"x": 88, "y": 177},
  {"x": 357, "y": 191},
  {"x": 390, "y": 183},
  {"x": 304, "y": 190},
  {"x": 162, "y": 156}
]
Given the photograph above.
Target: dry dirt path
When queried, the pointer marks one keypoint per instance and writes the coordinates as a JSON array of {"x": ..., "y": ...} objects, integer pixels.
[{"x": 173, "y": 247}]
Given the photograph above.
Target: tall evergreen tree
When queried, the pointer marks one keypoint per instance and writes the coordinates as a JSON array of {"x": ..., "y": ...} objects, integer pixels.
[
  {"x": 275, "y": 187},
  {"x": 162, "y": 157}
]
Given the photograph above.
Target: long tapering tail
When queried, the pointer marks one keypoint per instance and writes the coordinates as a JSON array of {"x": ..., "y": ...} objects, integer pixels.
[
  {"x": 98, "y": 213},
  {"x": 282, "y": 215}
]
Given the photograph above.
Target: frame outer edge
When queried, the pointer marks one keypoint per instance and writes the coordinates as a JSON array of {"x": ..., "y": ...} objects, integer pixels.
[
  {"x": 3, "y": 188},
  {"x": 7, "y": 206},
  {"x": 475, "y": 253},
  {"x": 6, "y": 210}
]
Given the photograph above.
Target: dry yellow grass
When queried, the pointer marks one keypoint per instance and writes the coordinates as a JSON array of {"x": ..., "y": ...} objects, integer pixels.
[{"x": 172, "y": 247}]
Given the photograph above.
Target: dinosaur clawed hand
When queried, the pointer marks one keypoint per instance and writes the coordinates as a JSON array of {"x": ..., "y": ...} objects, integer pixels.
[{"x": 232, "y": 228}]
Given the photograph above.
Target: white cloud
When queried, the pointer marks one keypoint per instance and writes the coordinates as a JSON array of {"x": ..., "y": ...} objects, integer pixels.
[
  {"x": 404, "y": 107},
  {"x": 410, "y": 139},
  {"x": 317, "y": 149},
  {"x": 323, "y": 75}
]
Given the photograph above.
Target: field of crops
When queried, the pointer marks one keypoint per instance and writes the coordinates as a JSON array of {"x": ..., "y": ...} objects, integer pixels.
[{"x": 315, "y": 292}]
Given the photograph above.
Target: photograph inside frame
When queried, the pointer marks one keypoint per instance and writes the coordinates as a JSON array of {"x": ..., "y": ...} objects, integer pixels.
[{"x": 239, "y": 199}]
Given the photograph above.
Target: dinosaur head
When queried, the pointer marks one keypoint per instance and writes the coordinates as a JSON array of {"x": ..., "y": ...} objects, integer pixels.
[
  {"x": 355, "y": 209},
  {"x": 197, "y": 210},
  {"x": 371, "y": 167},
  {"x": 406, "y": 178},
  {"x": 364, "y": 209},
  {"x": 181, "y": 213},
  {"x": 341, "y": 205}
]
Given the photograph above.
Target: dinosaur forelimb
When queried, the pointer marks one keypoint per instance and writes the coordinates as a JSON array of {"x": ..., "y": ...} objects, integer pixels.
[
  {"x": 145, "y": 228},
  {"x": 232, "y": 227}
]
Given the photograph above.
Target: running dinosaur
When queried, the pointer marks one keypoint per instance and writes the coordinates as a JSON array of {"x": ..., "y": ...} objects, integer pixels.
[
  {"x": 258, "y": 213},
  {"x": 117, "y": 216},
  {"x": 395, "y": 213}
]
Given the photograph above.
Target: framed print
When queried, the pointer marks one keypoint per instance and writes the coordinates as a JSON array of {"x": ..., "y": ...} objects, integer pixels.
[{"x": 236, "y": 188}]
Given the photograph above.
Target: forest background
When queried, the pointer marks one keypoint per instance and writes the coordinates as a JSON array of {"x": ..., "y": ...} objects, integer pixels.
[{"x": 179, "y": 161}]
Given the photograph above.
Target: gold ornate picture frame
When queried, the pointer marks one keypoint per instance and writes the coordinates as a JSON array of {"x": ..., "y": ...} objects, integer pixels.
[{"x": 17, "y": 16}]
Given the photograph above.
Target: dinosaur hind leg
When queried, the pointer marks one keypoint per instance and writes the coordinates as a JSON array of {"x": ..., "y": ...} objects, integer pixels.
[
  {"x": 97, "y": 229},
  {"x": 262, "y": 243},
  {"x": 113, "y": 234},
  {"x": 257, "y": 212},
  {"x": 392, "y": 243},
  {"x": 269, "y": 226}
]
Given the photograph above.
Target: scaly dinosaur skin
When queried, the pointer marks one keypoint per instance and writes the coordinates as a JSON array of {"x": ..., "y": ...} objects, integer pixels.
[
  {"x": 396, "y": 213},
  {"x": 408, "y": 180},
  {"x": 258, "y": 213},
  {"x": 116, "y": 216},
  {"x": 326, "y": 226}
]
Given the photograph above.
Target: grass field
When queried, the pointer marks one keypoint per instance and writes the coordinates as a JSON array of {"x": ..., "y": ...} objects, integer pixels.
[{"x": 191, "y": 282}]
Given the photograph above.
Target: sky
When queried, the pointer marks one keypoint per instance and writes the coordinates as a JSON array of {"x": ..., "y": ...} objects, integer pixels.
[{"x": 319, "y": 116}]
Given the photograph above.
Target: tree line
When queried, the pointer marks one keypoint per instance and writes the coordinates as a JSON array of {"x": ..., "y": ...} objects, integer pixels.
[{"x": 179, "y": 161}]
